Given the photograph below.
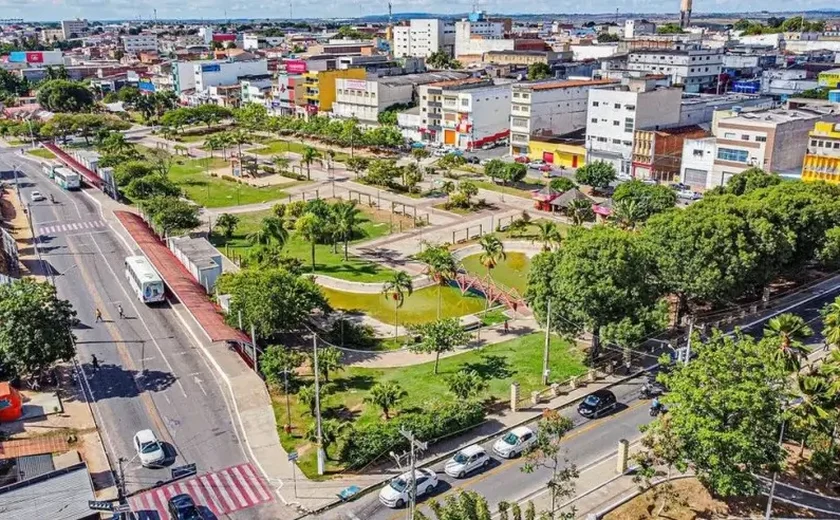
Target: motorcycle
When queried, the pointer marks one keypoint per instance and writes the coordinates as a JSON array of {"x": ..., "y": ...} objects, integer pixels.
[{"x": 656, "y": 410}]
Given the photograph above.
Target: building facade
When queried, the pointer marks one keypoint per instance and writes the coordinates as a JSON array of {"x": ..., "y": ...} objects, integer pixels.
[
  {"x": 694, "y": 67},
  {"x": 133, "y": 44},
  {"x": 477, "y": 35},
  {"x": 73, "y": 28},
  {"x": 320, "y": 91},
  {"x": 822, "y": 158},
  {"x": 213, "y": 73},
  {"x": 423, "y": 37},
  {"x": 657, "y": 154}
]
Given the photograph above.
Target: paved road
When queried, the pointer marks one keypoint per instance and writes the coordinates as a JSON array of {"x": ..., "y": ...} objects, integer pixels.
[{"x": 151, "y": 373}]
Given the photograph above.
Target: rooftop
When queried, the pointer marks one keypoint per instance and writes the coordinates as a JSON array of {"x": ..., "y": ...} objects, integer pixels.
[
  {"x": 422, "y": 78},
  {"x": 519, "y": 53},
  {"x": 69, "y": 491},
  {"x": 777, "y": 115},
  {"x": 551, "y": 85},
  {"x": 460, "y": 82}
]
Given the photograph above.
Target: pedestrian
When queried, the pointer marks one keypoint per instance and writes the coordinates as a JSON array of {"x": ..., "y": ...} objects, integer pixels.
[
  {"x": 825, "y": 345},
  {"x": 507, "y": 328},
  {"x": 120, "y": 311},
  {"x": 98, "y": 315},
  {"x": 95, "y": 363}
]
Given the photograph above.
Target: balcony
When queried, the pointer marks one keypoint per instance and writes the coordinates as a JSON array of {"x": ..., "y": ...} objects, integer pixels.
[{"x": 435, "y": 104}]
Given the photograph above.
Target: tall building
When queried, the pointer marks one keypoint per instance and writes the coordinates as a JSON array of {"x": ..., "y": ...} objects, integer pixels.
[
  {"x": 476, "y": 35},
  {"x": 74, "y": 28},
  {"x": 822, "y": 159},
  {"x": 132, "y": 44},
  {"x": 319, "y": 93},
  {"x": 421, "y": 38},
  {"x": 696, "y": 68},
  {"x": 685, "y": 13}
]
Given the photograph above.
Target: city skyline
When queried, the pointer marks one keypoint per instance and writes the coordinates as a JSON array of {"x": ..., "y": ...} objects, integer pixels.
[{"x": 54, "y": 10}]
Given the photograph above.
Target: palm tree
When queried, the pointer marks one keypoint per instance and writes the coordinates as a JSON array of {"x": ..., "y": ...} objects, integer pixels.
[
  {"x": 329, "y": 360},
  {"x": 227, "y": 222},
  {"x": 579, "y": 211},
  {"x": 268, "y": 256},
  {"x": 492, "y": 252},
  {"x": 386, "y": 395},
  {"x": 307, "y": 157},
  {"x": 789, "y": 330},
  {"x": 331, "y": 432},
  {"x": 814, "y": 409},
  {"x": 282, "y": 163},
  {"x": 116, "y": 144},
  {"x": 239, "y": 137},
  {"x": 466, "y": 384},
  {"x": 831, "y": 323},
  {"x": 397, "y": 288},
  {"x": 346, "y": 221},
  {"x": 548, "y": 234},
  {"x": 440, "y": 266},
  {"x": 310, "y": 227},
  {"x": 626, "y": 214},
  {"x": 271, "y": 230},
  {"x": 213, "y": 143}
]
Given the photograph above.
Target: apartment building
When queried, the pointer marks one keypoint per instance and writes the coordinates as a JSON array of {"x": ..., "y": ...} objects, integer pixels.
[
  {"x": 365, "y": 99},
  {"x": 423, "y": 37},
  {"x": 523, "y": 58},
  {"x": 822, "y": 157},
  {"x": 614, "y": 115},
  {"x": 258, "y": 41},
  {"x": 134, "y": 44},
  {"x": 319, "y": 92},
  {"x": 465, "y": 113},
  {"x": 51, "y": 35},
  {"x": 73, "y": 28},
  {"x": 477, "y": 35},
  {"x": 256, "y": 89},
  {"x": 286, "y": 90},
  {"x": 636, "y": 28},
  {"x": 694, "y": 67},
  {"x": 548, "y": 108},
  {"x": 209, "y": 74},
  {"x": 657, "y": 154}
]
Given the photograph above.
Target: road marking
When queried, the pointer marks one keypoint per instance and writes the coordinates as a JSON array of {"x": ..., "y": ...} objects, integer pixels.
[{"x": 198, "y": 382}]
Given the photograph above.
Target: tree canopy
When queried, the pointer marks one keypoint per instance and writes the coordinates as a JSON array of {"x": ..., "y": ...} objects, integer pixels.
[
  {"x": 598, "y": 174},
  {"x": 650, "y": 199},
  {"x": 60, "y": 95}
]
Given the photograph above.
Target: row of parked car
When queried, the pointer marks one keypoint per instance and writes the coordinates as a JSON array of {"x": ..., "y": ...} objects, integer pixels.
[{"x": 475, "y": 458}]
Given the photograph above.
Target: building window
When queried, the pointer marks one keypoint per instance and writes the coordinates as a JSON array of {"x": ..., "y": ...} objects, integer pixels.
[
  {"x": 761, "y": 139},
  {"x": 617, "y": 106},
  {"x": 729, "y": 135},
  {"x": 697, "y": 153},
  {"x": 595, "y": 104},
  {"x": 813, "y": 142},
  {"x": 465, "y": 102},
  {"x": 728, "y": 154},
  {"x": 515, "y": 95},
  {"x": 628, "y": 124},
  {"x": 630, "y": 107},
  {"x": 628, "y": 143},
  {"x": 616, "y": 123},
  {"x": 602, "y": 139},
  {"x": 594, "y": 119},
  {"x": 616, "y": 141},
  {"x": 745, "y": 137}
]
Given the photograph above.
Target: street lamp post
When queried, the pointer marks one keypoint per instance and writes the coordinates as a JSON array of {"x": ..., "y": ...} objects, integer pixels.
[{"x": 318, "y": 435}]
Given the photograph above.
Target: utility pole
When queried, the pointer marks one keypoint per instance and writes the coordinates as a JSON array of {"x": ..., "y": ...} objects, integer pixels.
[
  {"x": 121, "y": 480},
  {"x": 773, "y": 482},
  {"x": 288, "y": 426},
  {"x": 688, "y": 344},
  {"x": 319, "y": 440},
  {"x": 547, "y": 342},
  {"x": 412, "y": 496},
  {"x": 254, "y": 346}
]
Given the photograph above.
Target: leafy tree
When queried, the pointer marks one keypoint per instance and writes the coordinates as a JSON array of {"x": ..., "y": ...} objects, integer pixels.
[
  {"x": 439, "y": 336},
  {"x": 251, "y": 116},
  {"x": 178, "y": 118},
  {"x": 419, "y": 154},
  {"x": 649, "y": 199},
  {"x": 727, "y": 429},
  {"x": 357, "y": 164},
  {"x": 599, "y": 276},
  {"x": 787, "y": 331},
  {"x": 831, "y": 323},
  {"x": 308, "y": 157},
  {"x": 608, "y": 38},
  {"x": 385, "y": 395},
  {"x": 514, "y": 172},
  {"x": 626, "y": 214},
  {"x": 562, "y": 184},
  {"x": 598, "y": 174},
  {"x": 661, "y": 448},
  {"x": 278, "y": 364},
  {"x": 398, "y": 288},
  {"x": 495, "y": 169},
  {"x": 750, "y": 180},
  {"x": 548, "y": 234},
  {"x": 61, "y": 95},
  {"x": 441, "y": 267},
  {"x": 170, "y": 214},
  {"x": 273, "y": 300},
  {"x": 306, "y": 395},
  {"x": 742, "y": 24},
  {"x": 128, "y": 171},
  {"x": 310, "y": 227},
  {"x": 346, "y": 221},
  {"x": 537, "y": 71},
  {"x": 129, "y": 95},
  {"x": 580, "y": 211},
  {"x": 815, "y": 404},
  {"x": 549, "y": 454},
  {"x": 466, "y": 505},
  {"x": 271, "y": 230},
  {"x": 329, "y": 360},
  {"x": 211, "y": 114},
  {"x": 669, "y": 28},
  {"x": 466, "y": 384},
  {"x": 829, "y": 254},
  {"x": 227, "y": 222},
  {"x": 116, "y": 144},
  {"x": 161, "y": 160},
  {"x": 331, "y": 432},
  {"x": 150, "y": 186},
  {"x": 36, "y": 328}
]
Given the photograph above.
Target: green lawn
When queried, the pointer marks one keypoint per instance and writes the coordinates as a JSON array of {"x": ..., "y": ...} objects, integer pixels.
[
  {"x": 510, "y": 272},
  {"x": 43, "y": 153},
  {"x": 279, "y": 146},
  {"x": 518, "y": 360},
  {"x": 420, "y": 307},
  {"x": 215, "y": 192},
  {"x": 531, "y": 232},
  {"x": 326, "y": 261},
  {"x": 520, "y": 189}
]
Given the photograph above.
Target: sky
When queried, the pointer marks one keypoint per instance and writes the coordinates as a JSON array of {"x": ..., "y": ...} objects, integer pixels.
[{"x": 50, "y": 10}]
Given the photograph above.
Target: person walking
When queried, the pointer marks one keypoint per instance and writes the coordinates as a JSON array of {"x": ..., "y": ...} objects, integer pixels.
[
  {"x": 95, "y": 363},
  {"x": 120, "y": 311},
  {"x": 98, "y": 316}
]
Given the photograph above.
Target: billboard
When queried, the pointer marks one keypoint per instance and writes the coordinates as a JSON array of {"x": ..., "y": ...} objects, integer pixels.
[
  {"x": 355, "y": 84},
  {"x": 34, "y": 57},
  {"x": 211, "y": 68},
  {"x": 296, "y": 66},
  {"x": 146, "y": 86}
]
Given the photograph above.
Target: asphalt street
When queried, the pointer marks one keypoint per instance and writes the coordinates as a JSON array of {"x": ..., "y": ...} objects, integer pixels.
[{"x": 151, "y": 374}]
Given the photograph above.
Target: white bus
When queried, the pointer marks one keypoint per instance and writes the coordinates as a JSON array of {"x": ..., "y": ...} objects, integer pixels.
[
  {"x": 144, "y": 279},
  {"x": 67, "y": 179}
]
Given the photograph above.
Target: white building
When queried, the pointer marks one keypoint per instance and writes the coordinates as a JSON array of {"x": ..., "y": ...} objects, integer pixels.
[
  {"x": 698, "y": 109},
  {"x": 786, "y": 82},
  {"x": 475, "y": 36},
  {"x": 132, "y": 44},
  {"x": 695, "y": 68},
  {"x": 465, "y": 113},
  {"x": 614, "y": 115},
  {"x": 421, "y": 38},
  {"x": 634, "y": 28},
  {"x": 208, "y": 74},
  {"x": 698, "y": 160},
  {"x": 258, "y": 41},
  {"x": 366, "y": 99},
  {"x": 410, "y": 122},
  {"x": 548, "y": 108},
  {"x": 256, "y": 90},
  {"x": 74, "y": 28}
]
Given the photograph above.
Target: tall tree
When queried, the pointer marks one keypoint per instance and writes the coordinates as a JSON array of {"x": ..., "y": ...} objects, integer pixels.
[
  {"x": 579, "y": 211},
  {"x": 346, "y": 219},
  {"x": 386, "y": 395},
  {"x": 787, "y": 331},
  {"x": 271, "y": 230},
  {"x": 438, "y": 337},
  {"x": 307, "y": 157},
  {"x": 598, "y": 174},
  {"x": 549, "y": 454},
  {"x": 61, "y": 95},
  {"x": 279, "y": 364},
  {"x": 329, "y": 360},
  {"x": 310, "y": 226},
  {"x": 466, "y": 384},
  {"x": 537, "y": 71},
  {"x": 440, "y": 266},
  {"x": 36, "y": 328},
  {"x": 170, "y": 214},
  {"x": 548, "y": 234},
  {"x": 831, "y": 323},
  {"x": 650, "y": 199},
  {"x": 661, "y": 447},
  {"x": 398, "y": 288},
  {"x": 227, "y": 222}
]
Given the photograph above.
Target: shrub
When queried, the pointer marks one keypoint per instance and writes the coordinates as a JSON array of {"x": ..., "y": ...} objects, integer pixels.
[
  {"x": 354, "y": 334},
  {"x": 368, "y": 443}
]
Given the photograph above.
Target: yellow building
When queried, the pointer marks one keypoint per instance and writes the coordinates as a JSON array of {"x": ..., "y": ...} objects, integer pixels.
[
  {"x": 829, "y": 78},
  {"x": 822, "y": 161},
  {"x": 569, "y": 153},
  {"x": 319, "y": 88}
]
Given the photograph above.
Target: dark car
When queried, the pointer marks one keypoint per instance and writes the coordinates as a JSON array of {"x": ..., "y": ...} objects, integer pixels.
[
  {"x": 182, "y": 507},
  {"x": 472, "y": 159},
  {"x": 597, "y": 404}
]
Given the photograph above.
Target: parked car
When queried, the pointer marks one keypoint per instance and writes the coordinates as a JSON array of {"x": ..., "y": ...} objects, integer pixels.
[
  {"x": 488, "y": 146},
  {"x": 678, "y": 186},
  {"x": 597, "y": 404},
  {"x": 523, "y": 159},
  {"x": 182, "y": 507},
  {"x": 515, "y": 442},
  {"x": 624, "y": 177},
  {"x": 536, "y": 165},
  {"x": 440, "y": 152},
  {"x": 546, "y": 168},
  {"x": 472, "y": 159},
  {"x": 36, "y": 196},
  {"x": 688, "y": 194},
  {"x": 395, "y": 493},
  {"x": 148, "y": 447},
  {"x": 651, "y": 182},
  {"x": 466, "y": 461}
]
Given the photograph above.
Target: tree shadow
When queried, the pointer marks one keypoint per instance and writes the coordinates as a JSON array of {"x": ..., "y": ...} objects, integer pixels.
[
  {"x": 354, "y": 382},
  {"x": 342, "y": 413},
  {"x": 490, "y": 366},
  {"x": 113, "y": 381}
]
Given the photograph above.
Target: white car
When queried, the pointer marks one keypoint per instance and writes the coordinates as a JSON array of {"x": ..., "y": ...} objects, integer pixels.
[
  {"x": 466, "y": 461},
  {"x": 515, "y": 442},
  {"x": 689, "y": 195},
  {"x": 488, "y": 146},
  {"x": 395, "y": 493},
  {"x": 36, "y": 196},
  {"x": 535, "y": 165},
  {"x": 148, "y": 447},
  {"x": 624, "y": 177}
]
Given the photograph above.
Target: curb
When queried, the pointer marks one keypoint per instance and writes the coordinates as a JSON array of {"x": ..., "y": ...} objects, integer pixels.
[{"x": 615, "y": 505}]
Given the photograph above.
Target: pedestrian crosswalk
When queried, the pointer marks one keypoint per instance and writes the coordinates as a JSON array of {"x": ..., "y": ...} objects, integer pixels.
[
  {"x": 93, "y": 225},
  {"x": 222, "y": 492}
]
